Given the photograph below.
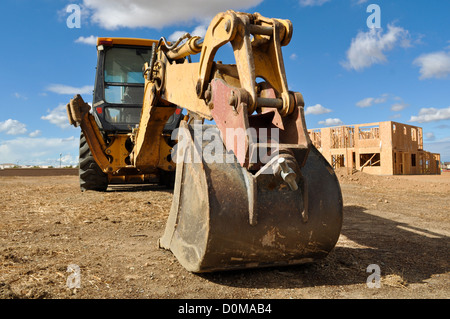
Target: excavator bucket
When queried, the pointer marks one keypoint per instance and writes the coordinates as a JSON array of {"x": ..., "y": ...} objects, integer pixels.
[{"x": 224, "y": 217}]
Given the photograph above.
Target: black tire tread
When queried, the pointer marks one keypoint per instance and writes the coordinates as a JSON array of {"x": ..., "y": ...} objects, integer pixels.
[{"x": 91, "y": 176}]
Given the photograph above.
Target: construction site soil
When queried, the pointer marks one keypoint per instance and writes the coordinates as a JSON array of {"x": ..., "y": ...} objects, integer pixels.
[{"x": 401, "y": 224}]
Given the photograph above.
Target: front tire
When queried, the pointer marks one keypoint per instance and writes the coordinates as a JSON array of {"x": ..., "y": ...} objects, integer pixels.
[{"x": 92, "y": 178}]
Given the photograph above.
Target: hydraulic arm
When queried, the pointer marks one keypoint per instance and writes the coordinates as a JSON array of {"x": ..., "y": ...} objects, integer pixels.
[{"x": 228, "y": 94}]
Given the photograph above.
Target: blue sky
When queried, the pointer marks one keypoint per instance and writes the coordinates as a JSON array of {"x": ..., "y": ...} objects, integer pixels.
[{"x": 347, "y": 72}]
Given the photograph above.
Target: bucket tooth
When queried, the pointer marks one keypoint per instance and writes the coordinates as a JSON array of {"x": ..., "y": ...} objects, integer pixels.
[{"x": 224, "y": 217}]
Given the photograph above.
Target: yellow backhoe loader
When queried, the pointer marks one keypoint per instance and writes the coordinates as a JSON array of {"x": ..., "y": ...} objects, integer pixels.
[{"x": 250, "y": 190}]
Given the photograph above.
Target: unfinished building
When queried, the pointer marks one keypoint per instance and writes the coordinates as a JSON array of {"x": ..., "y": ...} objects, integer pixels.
[{"x": 383, "y": 148}]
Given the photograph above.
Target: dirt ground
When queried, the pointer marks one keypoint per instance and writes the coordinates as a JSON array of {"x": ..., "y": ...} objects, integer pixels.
[{"x": 400, "y": 223}]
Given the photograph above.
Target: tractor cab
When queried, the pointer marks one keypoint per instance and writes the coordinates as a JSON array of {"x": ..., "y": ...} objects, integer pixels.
[{"x": 119, "y": 84}]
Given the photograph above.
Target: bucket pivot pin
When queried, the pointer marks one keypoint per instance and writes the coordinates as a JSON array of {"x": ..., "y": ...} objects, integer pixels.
[{"x": 288, "y": 174}]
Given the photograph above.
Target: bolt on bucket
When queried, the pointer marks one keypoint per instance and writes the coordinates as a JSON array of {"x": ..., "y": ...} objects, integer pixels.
[{"x": 224, "y": 217}]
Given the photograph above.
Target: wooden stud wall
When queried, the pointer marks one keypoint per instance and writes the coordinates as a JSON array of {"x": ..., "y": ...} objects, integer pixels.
[{"x": 382, "y": 148}]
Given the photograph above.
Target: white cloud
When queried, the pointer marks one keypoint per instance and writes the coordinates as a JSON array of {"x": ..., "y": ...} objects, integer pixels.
[
  {"x": 316, "y": 110},
  {"x": 58, "y": 116},
  {"x": 369, "y": 47},
  {"x": 441, "y": 146},
  {"x": 20, "y": 96},
  {"x": 293, "y": 56},
  {"x": 39, "y": 151},
  {"x": 114, "y": 14},
  {"x": 35, "y": 133},
  {"x": 198, "y": 31},
  {"x": 430, "y": 136},
  {"x": 312, "y": 3},
  {"x": 70, "y": 90},
  {"x": 331, "y": 122},
  {"x": 365, "y": 102},
  {"x": 369, "y": 101},
  {"x": 176, "y": 35},
  {"x": 13, "y": 127},
  {"x": 434, "y": 65},
  {"x": 69, "y": 159},
  {"x": 91, "y": 40},
  {"x": 431, "y": 115},
  {"x": 397, "y": 107}
]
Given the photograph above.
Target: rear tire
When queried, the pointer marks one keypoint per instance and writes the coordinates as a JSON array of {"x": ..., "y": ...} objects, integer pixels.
[{"x": 92, "y": 178}]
